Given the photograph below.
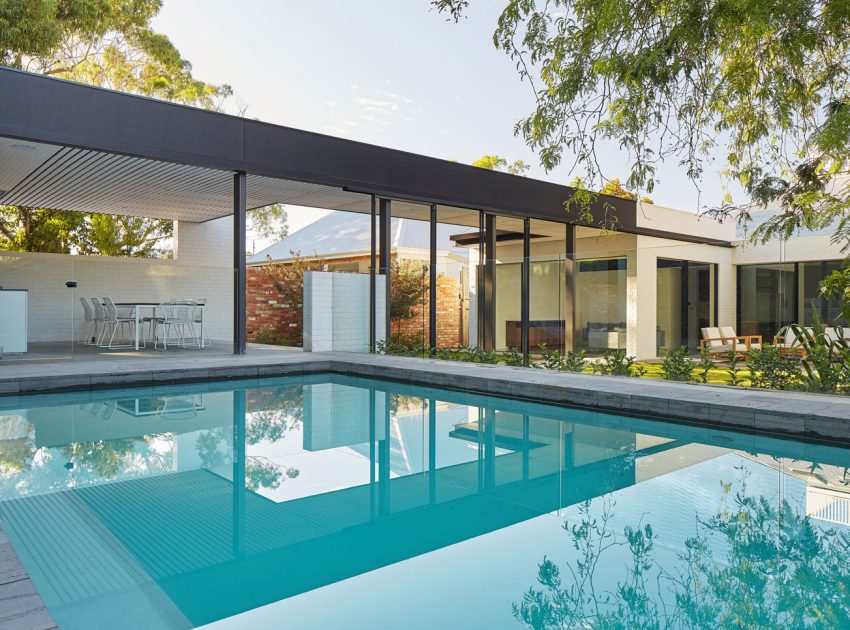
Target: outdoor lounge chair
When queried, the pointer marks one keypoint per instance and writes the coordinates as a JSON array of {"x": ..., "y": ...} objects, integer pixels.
[
  {"x": 789, "y": 342},
  {"x": 722, "y": 340}
]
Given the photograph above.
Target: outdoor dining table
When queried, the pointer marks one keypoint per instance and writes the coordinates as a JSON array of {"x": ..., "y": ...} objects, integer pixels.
[{"x": 138, "y": 306}]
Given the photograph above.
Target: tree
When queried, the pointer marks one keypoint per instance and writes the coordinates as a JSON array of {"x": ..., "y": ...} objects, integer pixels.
[
  {"x": 408, "y": 288},
  {"x": 764, "y": 83},
  {"x": 496, "y": 163},
  {"x": 111, "y": 44}
]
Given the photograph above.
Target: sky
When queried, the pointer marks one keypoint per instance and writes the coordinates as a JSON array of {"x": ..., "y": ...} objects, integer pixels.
[{"x": 392, "y": 73}]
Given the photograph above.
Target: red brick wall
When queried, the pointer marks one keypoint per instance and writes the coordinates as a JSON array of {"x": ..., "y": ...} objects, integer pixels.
[{"x": 271, "y": 318}]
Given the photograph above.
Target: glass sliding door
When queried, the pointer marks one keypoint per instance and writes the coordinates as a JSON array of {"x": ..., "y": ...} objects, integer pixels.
[
  {"x": 810, "y": 299},
  {"x": 767, "y": 299},
  {"x": 685, "y": 302},
  {"x": 600, "y": 318}
]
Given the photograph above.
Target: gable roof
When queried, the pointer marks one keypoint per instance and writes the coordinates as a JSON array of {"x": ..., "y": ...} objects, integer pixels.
[{"x": 341, "y": 233}]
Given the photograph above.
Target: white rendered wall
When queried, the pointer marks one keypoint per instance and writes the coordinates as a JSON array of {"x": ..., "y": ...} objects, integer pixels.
[
  {"x": 815, "y": 247},
  {"x": 202, "y": 268},
  {"x": 336, "y": 311}
]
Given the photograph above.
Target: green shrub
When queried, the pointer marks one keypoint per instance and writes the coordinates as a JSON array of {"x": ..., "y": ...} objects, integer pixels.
[
  {"x": 617, "y": 363},
  {"x": 677, "y": 366},
  {"x": 512, "y": 358},
  {"x": 550, "y": 359},
  {"x": 826, "y": 366},
  {"x": 769, "y": 369},
  {"x": 704, "y": 365},
  {"x": 733, "y": 372},
  {"x": 574, "y": 362}
]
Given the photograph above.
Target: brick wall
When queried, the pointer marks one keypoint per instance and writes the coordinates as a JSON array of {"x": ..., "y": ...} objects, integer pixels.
[{"x": 270, "y": 317}]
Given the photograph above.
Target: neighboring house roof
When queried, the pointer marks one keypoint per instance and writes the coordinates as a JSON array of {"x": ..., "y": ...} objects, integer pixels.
[{"x": 348, "y": 232}]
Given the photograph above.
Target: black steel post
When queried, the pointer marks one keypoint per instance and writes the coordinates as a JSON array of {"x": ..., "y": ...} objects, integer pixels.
[
  {"x": 525, "y": 288},
  {"x": 432, "y": 285},
  {"x": 372, "y": 261},
  {"x": 385, "y": 254},
  {"x": 432, "y": 450},
  {"x": 570, "y": 277},
  {"x": 240, "y": 260},
  {"x": 479, "y": 279},
  {"x": 490, "y": 282}
]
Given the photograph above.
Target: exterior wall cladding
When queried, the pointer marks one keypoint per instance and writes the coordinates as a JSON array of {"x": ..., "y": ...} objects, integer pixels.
[{"x": 273, "y": 319}]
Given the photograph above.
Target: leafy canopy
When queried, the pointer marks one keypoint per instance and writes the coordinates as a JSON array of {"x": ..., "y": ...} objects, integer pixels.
[
  {"x": 763, "y": 82},
  {"x": 496, "y": 163}
]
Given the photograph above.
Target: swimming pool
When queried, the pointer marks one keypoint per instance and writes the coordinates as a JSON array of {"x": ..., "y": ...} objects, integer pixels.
[{"x": 329, "y": 501}]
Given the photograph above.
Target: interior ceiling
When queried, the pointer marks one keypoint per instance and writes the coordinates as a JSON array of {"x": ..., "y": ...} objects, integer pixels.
[{"x": 65, "y": 178}]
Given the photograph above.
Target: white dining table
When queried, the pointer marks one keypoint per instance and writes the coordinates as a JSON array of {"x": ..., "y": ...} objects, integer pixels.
[{"x": 138, "y": 306}]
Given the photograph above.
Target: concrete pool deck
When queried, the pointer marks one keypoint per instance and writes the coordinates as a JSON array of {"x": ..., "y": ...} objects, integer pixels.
[{"x": 792, "y": 414}]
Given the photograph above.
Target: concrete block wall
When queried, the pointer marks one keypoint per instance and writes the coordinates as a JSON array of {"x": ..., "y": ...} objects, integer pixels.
[{"x": 336, "y": 311}]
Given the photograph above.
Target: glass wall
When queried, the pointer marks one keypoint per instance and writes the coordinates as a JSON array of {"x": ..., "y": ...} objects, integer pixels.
[
  {"x": 685, "y": 302},
  {"x": 508, "y": 283},
  {"x": 809, "y": 276},
  {"x": 600, "y": 298},
  {"x": 766, "y": 299}
]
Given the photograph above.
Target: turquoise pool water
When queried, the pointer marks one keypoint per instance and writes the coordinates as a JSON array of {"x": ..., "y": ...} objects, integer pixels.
[{"x": 332, "y": 502}]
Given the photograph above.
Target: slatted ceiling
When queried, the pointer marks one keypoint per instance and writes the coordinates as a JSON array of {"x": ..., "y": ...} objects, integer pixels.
[
  {"x": 66, "y": 178},
  {"x": 18, "y": 159}
]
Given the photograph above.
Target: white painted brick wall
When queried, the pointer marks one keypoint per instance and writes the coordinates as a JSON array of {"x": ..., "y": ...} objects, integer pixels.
[
  {"x": 202, "y": 269},
  {"x": 336, "y": 311}
]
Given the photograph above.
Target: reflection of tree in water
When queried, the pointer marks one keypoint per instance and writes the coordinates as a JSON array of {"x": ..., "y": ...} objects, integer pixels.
[
  {"x": 105, "y": 458},
  {"x": 272, "y": 414},
  {"x": 779, "y": 571}
]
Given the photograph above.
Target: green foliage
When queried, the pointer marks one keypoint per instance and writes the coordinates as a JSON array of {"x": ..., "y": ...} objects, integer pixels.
[
  {"x": 705, "y": 365},
  {"x": 826, "y": 364},
  {"x": 575, "y": 361},
  {"x": 733, "y": 370},
  {"x": 766, "y": 83},
  {"x": 617, "y": 363},
  {"x": 496, "y": 163},
  {"x": 770, "y": 369},
  {"x": 512, "y": 358},
  {"x": 677, "y": 366},
  {"x": 551, "y": 359},
  {"x": 404, "y": 346},
  {"x": 408, "y": 289}
]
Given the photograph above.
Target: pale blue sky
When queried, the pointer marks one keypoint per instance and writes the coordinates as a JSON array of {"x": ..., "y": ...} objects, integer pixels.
[{"x": 392, "y": 73}]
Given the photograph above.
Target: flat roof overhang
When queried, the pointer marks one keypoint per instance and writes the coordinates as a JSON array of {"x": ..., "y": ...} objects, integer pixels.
[{"x": 105, "y": 151}]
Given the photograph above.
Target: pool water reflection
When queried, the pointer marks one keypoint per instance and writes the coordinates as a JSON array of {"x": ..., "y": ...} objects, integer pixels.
[{"x": 328, "y": 501}]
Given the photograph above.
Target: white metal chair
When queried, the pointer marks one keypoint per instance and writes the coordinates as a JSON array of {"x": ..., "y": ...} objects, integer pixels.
[
  {"x": 177, "y": 316},
  {"x": 200, "y": 313},
  {"x": 91, "y": 333},
  {"x": 113, "y": 321},
  {"x": 99, "y": 314}
]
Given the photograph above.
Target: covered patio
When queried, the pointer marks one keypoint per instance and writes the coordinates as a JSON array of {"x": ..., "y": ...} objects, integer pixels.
[{"x": 66, "y": 146}]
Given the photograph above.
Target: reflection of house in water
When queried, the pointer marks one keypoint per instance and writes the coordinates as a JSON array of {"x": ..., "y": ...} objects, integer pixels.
[{"x": 827, "y": 486}]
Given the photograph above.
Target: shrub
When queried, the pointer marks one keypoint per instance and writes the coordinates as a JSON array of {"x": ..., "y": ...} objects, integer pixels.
[
  {"x": 550, "y": 359},
  {"x": 826, "y": 366},
  {"x": 574, "y": 362},
  {"x": 512, "y": 358},
  {"x": 677, "y": 366},
  {"x": 617, "y": 363},
  {"x": 705, "y": 365},
  {"x": 770, "y": 370}
]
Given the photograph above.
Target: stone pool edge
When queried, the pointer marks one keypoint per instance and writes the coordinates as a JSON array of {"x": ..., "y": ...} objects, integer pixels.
[{"x": 791, "y": 414}]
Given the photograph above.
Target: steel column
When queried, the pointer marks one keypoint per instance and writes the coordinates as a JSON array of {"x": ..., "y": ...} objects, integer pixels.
[
  {"x": 490, "y": 282},
  {"x": 240, "y": 260},
  {"x": 479, "y": 280},
  {"x": 432, "y": 284},
  {"x": 239, "y": 463},
  {"x": 525, "y": 288},
  {"x": 570, "y": 277},
  {"x": 385, "y": 260},
  {"x": 372, "y": 261}
]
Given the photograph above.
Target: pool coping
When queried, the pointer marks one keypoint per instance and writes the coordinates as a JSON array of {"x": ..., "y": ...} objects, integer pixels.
[
  {"x": 810, "y": 417},
  {"x": 798, "y": 415}
]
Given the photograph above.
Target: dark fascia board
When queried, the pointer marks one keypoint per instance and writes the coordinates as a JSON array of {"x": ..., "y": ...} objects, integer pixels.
[{"x": 56, "y": 111}]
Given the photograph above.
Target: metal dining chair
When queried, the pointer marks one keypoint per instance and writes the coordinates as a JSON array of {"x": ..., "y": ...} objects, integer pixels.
[
  {"x": 114, "y": 320},
  {"x": 91, "y": 333},
  {"x": 177, "y": 316}
]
